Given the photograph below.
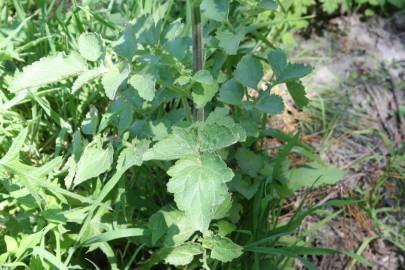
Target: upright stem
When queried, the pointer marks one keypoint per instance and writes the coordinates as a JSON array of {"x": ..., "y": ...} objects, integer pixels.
[{"x": 197, "y": 45}]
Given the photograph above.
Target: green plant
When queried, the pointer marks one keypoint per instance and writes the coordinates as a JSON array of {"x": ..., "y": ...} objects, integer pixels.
[{"x": 84, "y": 183}]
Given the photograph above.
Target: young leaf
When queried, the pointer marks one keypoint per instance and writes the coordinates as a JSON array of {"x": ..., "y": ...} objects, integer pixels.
[
  {"x": 203, "y": 77},
  {"x": 93, "y": 162},
  {"x": 297, "y": 92},
  {"x": 199, "y": 185},
  {"x": 222, "y": 248},
  {"x": 215, "y": 9},
  {"x": 183, "y": 254},
  {"x": 271, "y": 104},
  {"x": 181, "y": 143},
  {"x": 113, "y": 79},
  {"x": 231, "y": 92},
  {"x": 91, "y": 46},
  {"x": 144, "y": 84},
  {"x": 249, "y": 71},
  {"x": 48, "y": 70}
]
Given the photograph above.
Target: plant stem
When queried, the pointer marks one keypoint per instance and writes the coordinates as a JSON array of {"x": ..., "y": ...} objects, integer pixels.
[{"x": 197, "y": 45}]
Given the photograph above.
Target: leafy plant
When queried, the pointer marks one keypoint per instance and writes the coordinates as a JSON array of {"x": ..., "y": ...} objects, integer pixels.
[{"x": 148, "y": 144}]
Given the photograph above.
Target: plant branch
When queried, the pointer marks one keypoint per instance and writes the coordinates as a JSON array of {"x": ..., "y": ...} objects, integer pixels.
[{"x": 197, "y": 46}]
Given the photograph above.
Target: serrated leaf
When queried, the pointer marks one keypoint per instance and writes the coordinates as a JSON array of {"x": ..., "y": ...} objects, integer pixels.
[
  {"x": 271, "y": 104},
  {"x": 268, "y": 4},
  {"x": 297, "y": 92},
  {"x": 199, "y": 186},
  {"x": 126, "y": 45},
  {"x": 50, "y": 69},
  {"x": 222, "y": 248},
  {"x": 114, "y": 78},
  {"x": 219, "y": 131},
  {"x": 231, "y": 92},
  {"x": 181, "y": 143},
  {"x": 215, "y": 9},
  {"x": 93, "y": 162},
  {"x": 230, "y": 41},
  {"x": 249, "y": 71},
  {"x": 145, "y": 85},
  {"x": 91, "y": 46},
  {"x": 85, "y": 78},
  {"x": 183, "y": 254}
]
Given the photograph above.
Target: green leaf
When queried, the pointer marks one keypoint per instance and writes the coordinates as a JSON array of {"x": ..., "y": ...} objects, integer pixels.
[
  {"x": 11, "y": 244},
  {"x": 294, "y": 72},
  {"x": 50, "y": 69},
  {"x": 144, "y": 84},
  {"x": 219, "y": 131},
  {"x": 215, "y": 9},
  {"x": 114, "y": 234},
  {"x": 245, "y": 186},
  {"x": 231, "y": 92},
  {"x": 172, "y": 224},
  {"x": 86, "y": 77},
  {"x": 222, "y": 248},
  {"x": 271, "y": 104},
  {"x": 203, "y": 77},
  {"x": 285, "y": 71},
  {"x": 199, "y": 186},
  {"x": 94, "y": 161},
  {"x": 278, "y": 61},
  {"x": 46, "y": 255},
  {"x": 90, "y": 123},
  {"x": 114, "y": 78},
  {"x": 249, "y": 162},
  {"x": 268, "y": 4},
  {"x": 91, "y": 46},
  {"x": 306, "y": 175},
  {"x": 249, "y": 71},
  {"x": 181, "y": 143},
  {"x": 15, "y": 147},
  {"x": 297, "y": 92},
  {"x": 183, "y": 254},
  {"x": 230, "y": 41},
  {"x": 225, "y": 228},
  {"x": 132, "y": 155},
  {"x": 202, "y": 94}
]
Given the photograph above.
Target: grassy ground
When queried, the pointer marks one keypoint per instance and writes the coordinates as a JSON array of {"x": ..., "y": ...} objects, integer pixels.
[{"x": 355, "y": 123}]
